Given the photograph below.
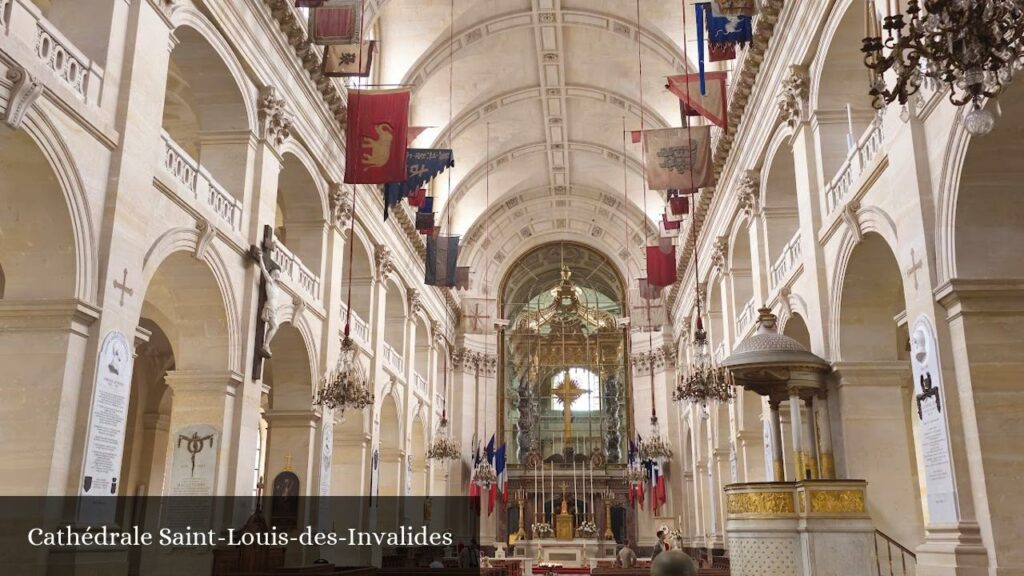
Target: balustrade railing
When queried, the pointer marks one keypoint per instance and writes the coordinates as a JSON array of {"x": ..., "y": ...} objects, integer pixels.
[
  {"x": 22, "y": 19},
  {"x": 438, "y": 401},
  {"x": 719, "y": 354},
  {"x": 359, "y": 328},
  {"x": 393, "y": 358},
  {"x": 892, "y": 558},
  {"x": 787, "y": 261},
  {"x": 293, "y": 269},
  {"x": 745, "y": 317},
  {"x": 187, "y": 172},
  {"x": 867, "y": 148},
  {"x": 420, "y": 383}
]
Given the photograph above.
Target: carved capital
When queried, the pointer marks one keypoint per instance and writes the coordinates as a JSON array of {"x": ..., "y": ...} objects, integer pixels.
[
  {"x": 25, "y": 89},
  {"x": 793, "y": 96},
  {"x": 720, "y": 253},
  {"x": 385, "y": 261},
  {"x": 415, "y": 303},
  {"x": 851, "y": 216},
  {"x": 749, "y": 192},
  {"x": 275, "y": 120},
  {"x": 341, "y": 204},
  {"x": 436, "y": 332}
]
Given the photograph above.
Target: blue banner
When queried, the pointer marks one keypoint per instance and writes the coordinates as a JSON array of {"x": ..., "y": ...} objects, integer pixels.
[{"x": 422, "y": 166}]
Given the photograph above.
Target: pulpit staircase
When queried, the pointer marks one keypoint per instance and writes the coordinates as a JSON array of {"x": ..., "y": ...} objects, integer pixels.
[{"x": 892, "y": 558}]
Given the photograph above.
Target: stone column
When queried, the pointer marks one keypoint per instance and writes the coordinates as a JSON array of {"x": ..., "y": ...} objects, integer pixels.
[
  {"x": 203, "y": 400},
  {"x": 291, "y": 446},
  {"x": 797, "y": 429},
  {"x": 775, "y": 425},
  {"x": 810, "y": 443},
  {"x": 826, "y": 464}
]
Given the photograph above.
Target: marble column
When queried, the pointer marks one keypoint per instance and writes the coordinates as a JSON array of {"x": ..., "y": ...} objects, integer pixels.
[
  {"x": 810, "y": 443},
  {"x": 775, "y": 426},
  {"x": 823, "y": 427},
  {"x": 797, "y": 429}
]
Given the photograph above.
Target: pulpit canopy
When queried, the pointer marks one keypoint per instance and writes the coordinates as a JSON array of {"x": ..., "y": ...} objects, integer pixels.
[{"x": 767, "y": 362}]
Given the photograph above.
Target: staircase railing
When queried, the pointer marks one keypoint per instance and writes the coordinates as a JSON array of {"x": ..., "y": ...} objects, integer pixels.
[{"x": 892, "y": 558}]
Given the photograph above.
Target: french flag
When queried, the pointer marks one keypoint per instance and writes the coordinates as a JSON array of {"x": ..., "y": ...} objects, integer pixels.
[
  {"x": 657, "y": 487},
  {"x": 499, "y": 468},
  {"x": 493, "y": 492}
]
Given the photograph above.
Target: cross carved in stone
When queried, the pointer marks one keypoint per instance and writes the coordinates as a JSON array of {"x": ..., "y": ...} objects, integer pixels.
[
  {"x": 123, "y": 286},
  {"x": 476, "y": 317},
  {"x": 915, "y": 265}
]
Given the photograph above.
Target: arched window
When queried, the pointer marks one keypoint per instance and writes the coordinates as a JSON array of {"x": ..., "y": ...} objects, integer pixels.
[{"x": 589, "y": 401}]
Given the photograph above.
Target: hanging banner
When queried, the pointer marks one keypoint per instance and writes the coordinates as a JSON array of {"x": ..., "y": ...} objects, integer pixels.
[
  {"x": 728, "y": 29},
  {"x": 712, "y": 103},
  {"x": 648, "y": 314},
  {"x": 442, "y": 258},
  {"x": 425, "y": 222},
  {"x": 678, "y": 158},
  {"x": 462, "y": 277},
  {"x": 929, "y": 399},
  {"x": 348, "y": 60},
  {"x": 377, "y": 131},
  {"x": 422, "y": 166},
  {"x": 416, "y": 198},
  {"x": 336, "y": 22},
  {"x": 733, "y": 7},
  {"x": 679, "y": 205},
  {"x": 661, "y": 266}
]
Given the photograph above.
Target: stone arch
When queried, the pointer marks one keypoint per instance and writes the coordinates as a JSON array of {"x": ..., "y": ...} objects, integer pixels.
[
  {"x": 796, "y": 328},
  {"x": 359, "y": 273},
  {"x": 209, "y": 103},
  {"x": 418, "y": 450},
  {"x": 395, "y": 315},
  {"x": 778, "y": 198},
  {"x": 838, "y": 78},
  {"x": 301, "y": 213},
  {"x": 174, "y": 243},
  {"x": 391, "y": 446},
  {"x": 741, "y": 274},
  {"x": 871, "y": 295}
]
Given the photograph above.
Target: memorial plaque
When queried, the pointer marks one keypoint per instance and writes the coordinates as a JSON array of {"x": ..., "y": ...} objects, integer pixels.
[
  {"x": 108, "y": 418},
  {"x": 326, "y": 454},
  {"x": 194, "y": 450},
  {"x": 929, "y": 404}
]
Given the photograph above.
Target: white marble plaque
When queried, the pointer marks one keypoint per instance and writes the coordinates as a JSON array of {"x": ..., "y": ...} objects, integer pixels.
[
  {"x": 408, "y": 475},
  {"x": 326, "y": 453},
  {"x": 930, "y": 409},
  {"x": 107, "y": 419},
  {"x": 194, "y": 463}
]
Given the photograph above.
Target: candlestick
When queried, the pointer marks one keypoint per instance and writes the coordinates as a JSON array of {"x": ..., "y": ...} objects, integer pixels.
[{"x": 575, "y": 492}]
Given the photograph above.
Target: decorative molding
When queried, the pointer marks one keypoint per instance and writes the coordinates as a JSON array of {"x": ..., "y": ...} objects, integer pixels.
[
  {"x": 837, "y": 501},
  {"x": 25, "y": 89},
  {"x": 207, "y": 232},
  {"x": 794, "y": 96},
  {"x": 720, "y": 253},
  {"x": 852, "y": 219},
  {"x": 275, "y": 120},
  {"x": 749, "y": 192},
  {"x": 479, "y": 362},
  {"x": 341, "y": 204},
  {"x": 778, "y": 504},
  {"x": 298, "y": 308},
  {"x": 385, "y": 262}
]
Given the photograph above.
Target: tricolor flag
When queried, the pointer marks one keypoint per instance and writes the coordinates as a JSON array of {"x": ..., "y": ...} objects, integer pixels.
[
  {"x": 336, "y": 22},
  {"x": 378, "y": 122},
  {"x": 661, "y": 265},
  {"x": 678, "y": 158},
  {"x": 442, "y": 258},
  {"x": 657, "y": 482},
  {"x": 499, "y": 468},
  {"x": 707, "y": 98},
  {"x": 492, "y": 493}
]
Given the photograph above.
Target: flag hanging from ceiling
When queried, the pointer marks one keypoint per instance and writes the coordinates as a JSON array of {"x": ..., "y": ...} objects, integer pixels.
[
  {"x": 711, "y": 103},
  {"x": 648, "y": 314},
  {"x": 646, "y": 291},
  {"x": 414, "y": 133},
  {"x": 336, "y": 22},
  {"x": 416, "y": 198},
  {"x": 425, "y": 222},
  {"x": 462, "y": 277},
  {"x": 661, "y": 266},
  {"x": 678, "y": 158},
  {"x": 349, "y": 60},
  {"x": 442, "y": 256},
  {"x": 678, "y": 204},
  {"x": 721, "y": 52},
  {"x": 377, "y": 131},
  {"x": 308, "y": 3},
  {"x": 668, "y": 224},
  {"x": 422, "y": 165},
  {"x": 428, "y": 204},
  {"x": 727, "y": 28}
]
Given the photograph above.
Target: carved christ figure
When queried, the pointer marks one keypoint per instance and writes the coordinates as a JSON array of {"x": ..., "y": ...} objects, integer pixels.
[{"x": 271, "y": 276}]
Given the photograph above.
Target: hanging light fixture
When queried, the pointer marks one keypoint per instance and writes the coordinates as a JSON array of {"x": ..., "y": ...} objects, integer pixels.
[
  {"x": 443, "y": 446},
  {"x": 973, "y": 46},
  {"x": 635, "y": 473},
  {"x": 704, "y": 382},
  {"x": 485, "y": 475},
  {"x": 346, "y": 387},
  {"x": 654, "y": 447}
]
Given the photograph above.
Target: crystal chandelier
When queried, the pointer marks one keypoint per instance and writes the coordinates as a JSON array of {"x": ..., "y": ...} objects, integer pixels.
[
  {"x": 443, "y": 446},
  {"x": 346, "y": 387},
  {"x": 655, "y": 447},
  {"x": 705, "y": 381},
  {"x": 635, "y": 473},
  {"x": 485, "y": 476},
  {"x": 972, "y": 46}
]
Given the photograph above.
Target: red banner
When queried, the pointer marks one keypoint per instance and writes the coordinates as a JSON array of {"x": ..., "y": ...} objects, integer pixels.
[
  {"x": 661, "y": 266},
  {"x": 378, "y": 127},
  {"x": 714, "y": 105}
]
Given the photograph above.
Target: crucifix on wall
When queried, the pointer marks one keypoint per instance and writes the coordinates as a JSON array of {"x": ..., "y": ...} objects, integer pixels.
[{"x": 267, "y": 321}]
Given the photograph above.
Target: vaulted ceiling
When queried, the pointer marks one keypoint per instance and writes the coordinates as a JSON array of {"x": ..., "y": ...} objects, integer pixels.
[{"x": 535, "y": 97}]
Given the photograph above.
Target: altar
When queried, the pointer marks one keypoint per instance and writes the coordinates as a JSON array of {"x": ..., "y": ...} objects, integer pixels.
[{"x": 575, "y": 553}]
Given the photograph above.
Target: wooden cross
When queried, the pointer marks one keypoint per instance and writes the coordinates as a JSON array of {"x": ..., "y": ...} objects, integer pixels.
[
  {"x": 123, "y": 286},
  {"x": 915, "y": 265},
  {"x": 476, "y": 317}
]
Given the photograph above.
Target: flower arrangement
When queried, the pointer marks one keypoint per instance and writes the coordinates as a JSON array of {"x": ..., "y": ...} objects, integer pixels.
[
  {"x": 587, "y": 529},
  {"x": 675, "y": 539},
  {"x": 542, "y": 530}
]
